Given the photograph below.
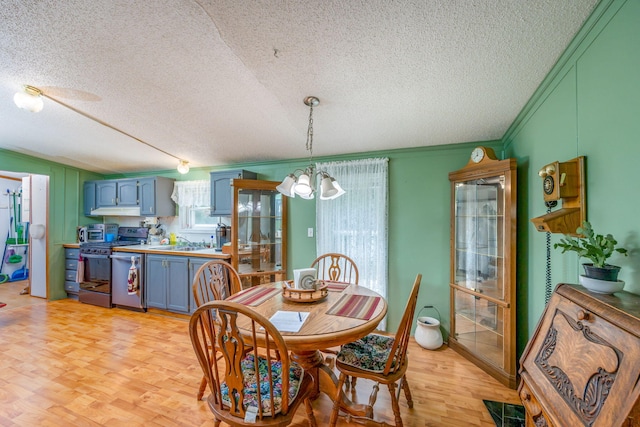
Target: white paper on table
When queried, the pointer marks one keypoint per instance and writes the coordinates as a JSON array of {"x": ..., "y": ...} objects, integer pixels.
[{"x": 289, "y": 321}]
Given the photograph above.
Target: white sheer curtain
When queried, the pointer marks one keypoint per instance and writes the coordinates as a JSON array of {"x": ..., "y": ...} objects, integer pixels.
[
  {"x": 189, "y": 195},
  {"x": 355, "y": 224}
]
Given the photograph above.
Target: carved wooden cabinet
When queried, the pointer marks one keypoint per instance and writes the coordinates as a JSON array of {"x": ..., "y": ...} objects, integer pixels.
[
  {"x": 582, "y": 365},
  {"x": 483, "y": 256}
]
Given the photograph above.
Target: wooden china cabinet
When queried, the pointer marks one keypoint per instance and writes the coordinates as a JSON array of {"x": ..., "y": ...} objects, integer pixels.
[
  {"x": 258, "y": 232},
  {"x": 483, "y": 264}
]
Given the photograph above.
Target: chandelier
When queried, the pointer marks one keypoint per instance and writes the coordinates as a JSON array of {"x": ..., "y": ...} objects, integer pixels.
[{"x": 303, "y": 181}]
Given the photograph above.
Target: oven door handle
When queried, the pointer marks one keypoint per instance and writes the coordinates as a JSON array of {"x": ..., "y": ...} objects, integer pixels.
[{"x": 91, "y": 256}]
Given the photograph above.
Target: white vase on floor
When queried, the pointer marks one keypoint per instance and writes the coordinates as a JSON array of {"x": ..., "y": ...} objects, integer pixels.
[{"x": 428, "y": 334}]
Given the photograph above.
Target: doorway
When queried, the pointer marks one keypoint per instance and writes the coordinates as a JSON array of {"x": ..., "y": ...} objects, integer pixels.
[{"x": 23, "y": 240}]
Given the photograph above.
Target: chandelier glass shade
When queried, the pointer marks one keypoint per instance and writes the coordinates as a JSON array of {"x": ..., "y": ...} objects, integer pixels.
[{"x": 302, "y": 182}]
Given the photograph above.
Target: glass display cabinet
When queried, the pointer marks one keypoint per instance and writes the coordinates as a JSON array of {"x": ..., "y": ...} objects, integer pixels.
[
  {"x": 483, "y": 249},
  {"x": 258, "y": 232}
]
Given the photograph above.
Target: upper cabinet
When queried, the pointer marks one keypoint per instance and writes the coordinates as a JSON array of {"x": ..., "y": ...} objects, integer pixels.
[
  {"x": 258, "y": 232},
  {"x": 154, "y": 197},
  {"x": 117, "y": 192},
  {"x": 89, "y": 196},
  {"x": 483, "y": 264},
  {"x": 135, "y": 196},
  {"x": 221, "y": 192}
]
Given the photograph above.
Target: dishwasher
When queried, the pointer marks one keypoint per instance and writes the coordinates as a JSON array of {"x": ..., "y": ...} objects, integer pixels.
[{"x": 121, "y": 295}]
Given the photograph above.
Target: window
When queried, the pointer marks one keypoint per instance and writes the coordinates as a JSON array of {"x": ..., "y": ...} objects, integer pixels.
[
  {"x": 355, "y": 224},
  {"x": 194, "y": 205}
]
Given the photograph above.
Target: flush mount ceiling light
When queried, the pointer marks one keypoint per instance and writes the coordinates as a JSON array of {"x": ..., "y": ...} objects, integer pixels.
[
  {"x": 183, "y": 167},
  {"x": 302, "y": 182},
  {"x": 31, "y": 99}
]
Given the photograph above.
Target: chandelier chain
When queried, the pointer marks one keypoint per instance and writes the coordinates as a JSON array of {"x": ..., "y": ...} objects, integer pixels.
[{"x": 310, "y": 132}]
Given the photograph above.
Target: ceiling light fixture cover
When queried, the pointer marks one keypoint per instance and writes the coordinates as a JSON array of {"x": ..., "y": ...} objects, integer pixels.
[
  {"x": 183, "y": 167},
  {"x": 302, "y": 182},
  {"x": 29, "y": 99}
]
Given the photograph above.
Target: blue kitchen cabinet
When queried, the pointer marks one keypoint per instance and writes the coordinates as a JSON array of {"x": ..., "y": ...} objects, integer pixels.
[
  {"x": 167, "y": 282},
  {"x": 221, "y": 194},
  {"x": 194, "y": 265},
  {"x": 152, "y": 195},
  {"x": 155, "y": 196},
  {"x": 117, "y": 192},
  {"x": 106, "y": 193},
  {"x": 71, "y": 286},
  {"x": 89, "y": 196},
  {"x": 127, "y": 192}
]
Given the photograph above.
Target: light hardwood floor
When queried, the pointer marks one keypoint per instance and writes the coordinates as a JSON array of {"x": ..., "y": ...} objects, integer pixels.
[{"x": 64, "y": 363}]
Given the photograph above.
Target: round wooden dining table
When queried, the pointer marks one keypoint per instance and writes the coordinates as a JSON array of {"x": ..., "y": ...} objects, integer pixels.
[{"x": 320, "y": 330}]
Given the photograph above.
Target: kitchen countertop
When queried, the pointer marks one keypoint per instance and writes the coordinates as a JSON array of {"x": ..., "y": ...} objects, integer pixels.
[{"x": 158, "y": 249}]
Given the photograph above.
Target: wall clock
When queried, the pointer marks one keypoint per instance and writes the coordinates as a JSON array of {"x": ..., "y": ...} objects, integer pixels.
[{"x": 480, "y": 154}]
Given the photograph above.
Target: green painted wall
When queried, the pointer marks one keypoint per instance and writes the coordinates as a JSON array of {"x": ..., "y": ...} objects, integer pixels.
[{"x": 587, "y": 106}]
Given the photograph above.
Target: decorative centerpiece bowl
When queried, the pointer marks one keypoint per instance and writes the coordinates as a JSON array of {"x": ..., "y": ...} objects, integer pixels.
[{"x": 313, "y": 294}]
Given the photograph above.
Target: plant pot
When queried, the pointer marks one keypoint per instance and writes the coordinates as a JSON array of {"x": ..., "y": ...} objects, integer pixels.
[
  {"x": 601, "y": 286},
  {"x": 608, "y": 272}
]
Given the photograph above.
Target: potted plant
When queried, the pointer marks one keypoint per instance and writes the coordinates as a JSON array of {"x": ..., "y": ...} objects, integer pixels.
[{"x": 595, "y": 247}]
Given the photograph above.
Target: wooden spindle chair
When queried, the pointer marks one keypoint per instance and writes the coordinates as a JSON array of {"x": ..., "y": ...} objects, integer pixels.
[
  {"x": 214, "y": 280},
  {"x": 336, "y": 267},
  {"x": 247, "y": 366},
  {"x": 386, "y": 360}
]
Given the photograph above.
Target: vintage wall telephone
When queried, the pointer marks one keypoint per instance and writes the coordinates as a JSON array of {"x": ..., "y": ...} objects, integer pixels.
[{"x": 563, "y": 181}]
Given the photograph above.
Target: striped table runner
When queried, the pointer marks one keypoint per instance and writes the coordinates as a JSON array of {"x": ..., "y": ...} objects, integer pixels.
[
  {"x": 356, "y": 306},
  {"x": 254, "y": 296},
  {"x": 336, "y": 286}
]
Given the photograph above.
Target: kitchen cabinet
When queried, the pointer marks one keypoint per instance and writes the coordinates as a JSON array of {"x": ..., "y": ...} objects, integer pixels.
[
  {"x": 258, "y": 232},
  {"x": 89, "y": 196},
  {"x": 221, "y": 192},
  {"x": 582, "y": 364},
  {"x": 155, "y": 197},
  {"x": 71, "y": 286},
  {"x": 152, "y": 195},
  {"x": 194, "y": 265},
  {"x": 482, "y": 268},
  {"x": 117, "y": 192},
  {"x": 167, "y": 282}
]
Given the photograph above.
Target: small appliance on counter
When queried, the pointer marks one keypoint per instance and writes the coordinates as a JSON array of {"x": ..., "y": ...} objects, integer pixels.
[
  {"x": 81, "y": 235},
  {"x": 223, "y": 234},
  {"x": 97, "y": 233}
]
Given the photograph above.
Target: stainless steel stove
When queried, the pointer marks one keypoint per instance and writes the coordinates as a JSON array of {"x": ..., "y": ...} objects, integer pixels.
[{"x": 95, "y": 287}]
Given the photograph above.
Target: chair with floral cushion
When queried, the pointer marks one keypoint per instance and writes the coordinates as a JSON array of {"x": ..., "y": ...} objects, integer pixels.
[
  {"x": 336, "y": 267},
  {"x": 247, "y": 366},
  {"x": 382, "y": 359},
  {"x": 214, "y": 280}
]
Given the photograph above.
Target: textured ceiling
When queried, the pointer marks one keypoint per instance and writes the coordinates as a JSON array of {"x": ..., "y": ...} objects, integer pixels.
[{"x": 223, "y": 81}]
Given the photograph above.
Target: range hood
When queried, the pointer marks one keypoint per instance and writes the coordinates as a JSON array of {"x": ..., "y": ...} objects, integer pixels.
[{"x": 117, "y": 211}]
